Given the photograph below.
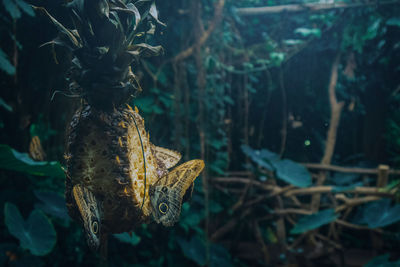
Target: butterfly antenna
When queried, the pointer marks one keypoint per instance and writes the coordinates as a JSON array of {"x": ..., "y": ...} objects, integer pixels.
[{"x": 144, "y": 161}]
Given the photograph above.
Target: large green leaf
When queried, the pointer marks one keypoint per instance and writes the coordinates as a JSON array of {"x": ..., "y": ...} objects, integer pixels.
[
  {"x": 37, "y": 234},
  {"x": 130, "y": 238},
  {"x": 380, "y": 214},
  {"x": 5, "y": 64},
  {"x": 395, "y": 21},
  {"x": 26, "y": 7},
  {"x": 53, "y": 204},
  {"x": 310, "y": 222},
  {"x": 12, "y": 8},
  {"x": 219, "y": 256},
  {"x": 262, "y": 157},
  {"x": 305, "y": 32},
  {"x": 194, "y": 249},
  {"x": 286, "y": 170},
  {"x": 292, "y": 172},
  {"x": 11, "y": 159}
]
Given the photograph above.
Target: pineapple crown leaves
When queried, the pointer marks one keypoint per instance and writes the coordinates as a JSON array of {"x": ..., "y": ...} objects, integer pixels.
[{"x": 108, "y": 36}]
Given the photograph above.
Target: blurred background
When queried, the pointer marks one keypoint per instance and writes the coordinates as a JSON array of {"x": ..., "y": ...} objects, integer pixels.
[{"x": 293, "y": 105}]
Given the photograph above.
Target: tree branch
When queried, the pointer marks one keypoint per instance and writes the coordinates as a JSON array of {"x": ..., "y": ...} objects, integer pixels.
[
  {"x": 253, "y": 11},
  {"x": 203, "y": 38}
]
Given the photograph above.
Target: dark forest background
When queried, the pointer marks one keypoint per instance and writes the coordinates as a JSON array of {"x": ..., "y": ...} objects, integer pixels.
[{"x": 295, "y": 110}]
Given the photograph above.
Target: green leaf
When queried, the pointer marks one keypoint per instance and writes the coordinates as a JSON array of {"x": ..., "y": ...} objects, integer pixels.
[
  {"x": 276, "y": 58},
  {"x": 37, "y": 234},
  {"x": 193, "y": 249},
  {"x": 219, "y": 256},
  {"x": 53, "y": 204},
  {"x": 5, "y": 64},
  {"x": 5, "y": 105},
  {"x": 11, "y": 159},
  {"x": 292, "y": 42},
  {"x": 154, "y": 13},
  {"x": 131, "y": 238},
  {"x": 380, "y": 213},
  {"x": 393, "y": 21},
  {"x": 292, "y": 172},
  {"x": 310, "y": 222},
  {"x": 305, "y": 32},
  {"x": 382, "y": 261},
  {"x": 12, "y": 9},
  {"x": 261, "y": 157},
  {"x": 286, "y": 170},
  {"x": 26, "y": 7}
]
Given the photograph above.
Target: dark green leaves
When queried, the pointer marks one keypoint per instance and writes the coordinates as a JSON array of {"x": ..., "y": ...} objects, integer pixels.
[
  {"x": 395, "y": 21},
  {"x": 12, "y": 8},
  {"x": 4, "y": 105},
  {"x": 5, "y": 64},
  {"x": 130, "y": 238},
  {"x": 292, "y": 173},
  {"x": 310, "y": 222},
  {"x": 306, "y": 32},
  {"x": 36, "y": 234},
  {"x": 11, "y": 159},
  {"x": 53, "y": 204},
  {"x": 286, "y": 170},
  {"x": 194, "y": 250},
  {"x": 380, "y": 214}
]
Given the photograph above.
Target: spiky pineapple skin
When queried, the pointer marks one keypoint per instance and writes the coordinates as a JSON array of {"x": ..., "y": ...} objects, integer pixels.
[{"x": 104, "y": 153}]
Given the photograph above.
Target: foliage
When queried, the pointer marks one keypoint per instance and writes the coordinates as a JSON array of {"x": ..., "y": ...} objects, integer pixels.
[
  {"x": 11, "y": 159},
  {"x": 379, "y": 214},
  {"x": 265, "y": 79},
  {"x": 286, "y": 170},
  {"x": 314, "y": 221},
  {"x": 36, "y": 234}
]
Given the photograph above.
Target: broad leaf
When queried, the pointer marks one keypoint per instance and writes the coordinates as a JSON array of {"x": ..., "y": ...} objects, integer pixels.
[
  {"x": 292, "y": 172},
  {"x": 262, "y": 157},
  {"x": 305, "y": 32},
  {"x": 219, "y": 256},
  {"x": 37, "y": 234},
  {"x": 130, "y": 238},
  {"x": 4, "y": 105},
  {"x": 193, "y": 249},
  {"x": 26, "y": 7},
  {"x": 286, "y": 170},
  {"x": 310, "y": 222},
  {"x": 5, "y": 64},
  {"x": 12, "y": 9},
  {"x": 393, "y": 21},
  {"x": 380, "y": 214},
  {"x": 11, "y": 159},
  {"x": 53, "y": 204}
]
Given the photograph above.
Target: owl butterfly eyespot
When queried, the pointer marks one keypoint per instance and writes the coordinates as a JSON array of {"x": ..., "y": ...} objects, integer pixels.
[
  {"x": 90, "y": 214},
  {"x": 168, "y": 191}
]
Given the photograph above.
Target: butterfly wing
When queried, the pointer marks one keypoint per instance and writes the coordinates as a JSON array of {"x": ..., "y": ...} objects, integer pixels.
[
  {"x": 89, "y": 209},
  {"x": 166, "y": 156},
  {"x": 182, "y": 177},
  {"x": 36, "y": 150},
  {"x": 170, "y": 190}
]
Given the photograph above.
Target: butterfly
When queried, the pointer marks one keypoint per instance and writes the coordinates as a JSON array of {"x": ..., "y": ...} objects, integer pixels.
[
  {"x": 36, "y": 150},
  {"x": 167, "y": 193},
  {"x": 90, "y": 213}
]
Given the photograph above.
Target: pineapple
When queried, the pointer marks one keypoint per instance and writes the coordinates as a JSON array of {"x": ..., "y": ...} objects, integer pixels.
[{"x": 115, "y": 179}]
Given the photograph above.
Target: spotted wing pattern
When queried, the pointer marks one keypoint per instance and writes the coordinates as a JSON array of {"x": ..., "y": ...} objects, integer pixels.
[{"x": 167, "y": 193}]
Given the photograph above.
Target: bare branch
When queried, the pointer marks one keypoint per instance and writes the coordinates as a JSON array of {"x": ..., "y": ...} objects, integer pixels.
[{"x": 313, "y": 7}]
